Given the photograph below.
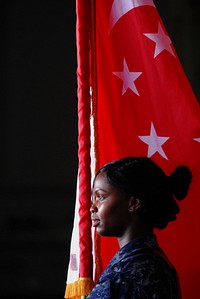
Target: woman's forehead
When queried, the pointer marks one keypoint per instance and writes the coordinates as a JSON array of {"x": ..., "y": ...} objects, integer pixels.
[
  {"x": 101, "y": 182},
  {"x": 101, "y": 179}
]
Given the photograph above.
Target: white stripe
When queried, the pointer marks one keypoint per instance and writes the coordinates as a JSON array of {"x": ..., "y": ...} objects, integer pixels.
[
  {"x": 73, "y": 274},
  {"x": 121, "y": 7},
  {"x": 93, "y": 166}
]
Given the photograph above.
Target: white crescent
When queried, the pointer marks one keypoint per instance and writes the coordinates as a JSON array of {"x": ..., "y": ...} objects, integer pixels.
[{"x": 121, "y": 7}]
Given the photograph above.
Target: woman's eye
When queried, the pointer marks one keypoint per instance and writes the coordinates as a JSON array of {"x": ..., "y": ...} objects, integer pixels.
[{"x": 100, "y": 197}]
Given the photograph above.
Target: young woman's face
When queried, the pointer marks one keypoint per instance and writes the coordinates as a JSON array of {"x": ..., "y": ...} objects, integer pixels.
[{"x": 109, "y": 210}]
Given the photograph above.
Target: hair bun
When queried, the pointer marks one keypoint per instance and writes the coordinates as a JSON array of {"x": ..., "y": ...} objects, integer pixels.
[{"x": 180, "y": 181}]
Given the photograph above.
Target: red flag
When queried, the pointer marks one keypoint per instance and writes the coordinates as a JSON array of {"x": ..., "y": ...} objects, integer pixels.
[{"x": 146, "y": 107}]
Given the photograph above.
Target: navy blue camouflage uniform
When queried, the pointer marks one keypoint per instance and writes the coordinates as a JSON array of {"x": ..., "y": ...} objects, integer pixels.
[{"x": 139, "y": 270}]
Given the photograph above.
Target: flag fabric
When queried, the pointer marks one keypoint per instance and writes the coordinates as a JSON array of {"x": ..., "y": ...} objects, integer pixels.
[{"x": 144, "y": 106}]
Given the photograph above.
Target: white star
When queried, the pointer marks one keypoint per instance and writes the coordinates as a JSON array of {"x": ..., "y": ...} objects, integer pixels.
[
  {"x": 162, "y": 41},
  {"x": 154, "y": 142},
  {"x": 197, "y": 139},
  {"x": 128, "y": 78}
]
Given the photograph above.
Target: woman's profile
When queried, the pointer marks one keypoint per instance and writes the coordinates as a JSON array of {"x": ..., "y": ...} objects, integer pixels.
[{"x": 131, "y": 197}]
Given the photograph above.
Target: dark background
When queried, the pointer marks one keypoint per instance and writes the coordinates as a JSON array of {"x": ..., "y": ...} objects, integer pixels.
[{"x": 38, "y": 135}]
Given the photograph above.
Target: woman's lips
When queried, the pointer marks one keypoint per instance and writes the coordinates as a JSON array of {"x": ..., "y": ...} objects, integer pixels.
[{"x": 95, "y": 222}]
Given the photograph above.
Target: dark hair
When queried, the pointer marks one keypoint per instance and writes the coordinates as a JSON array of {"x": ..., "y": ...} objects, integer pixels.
[{"x": 145, "y": 180}]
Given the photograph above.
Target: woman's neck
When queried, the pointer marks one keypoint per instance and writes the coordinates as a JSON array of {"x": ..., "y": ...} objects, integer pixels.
[{"x": 138, "y": 229}]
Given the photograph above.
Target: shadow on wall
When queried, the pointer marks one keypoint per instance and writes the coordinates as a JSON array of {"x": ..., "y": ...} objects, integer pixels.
[
  {"x": 35, "y": 238},
  {"x": 38, "y": 152}
]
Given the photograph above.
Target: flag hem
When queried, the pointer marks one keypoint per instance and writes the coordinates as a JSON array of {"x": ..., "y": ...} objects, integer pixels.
[{"x": 81, "y": 287}]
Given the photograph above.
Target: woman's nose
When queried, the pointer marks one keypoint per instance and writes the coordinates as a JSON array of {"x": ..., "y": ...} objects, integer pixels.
[{"x": 93, "y": 208}]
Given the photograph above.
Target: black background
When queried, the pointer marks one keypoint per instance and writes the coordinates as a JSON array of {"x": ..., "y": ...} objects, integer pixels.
[{"x": 38, "y": 135}]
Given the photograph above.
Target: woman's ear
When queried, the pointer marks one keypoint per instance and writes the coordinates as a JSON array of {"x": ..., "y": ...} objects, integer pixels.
[{"x": 134, "y": 204}]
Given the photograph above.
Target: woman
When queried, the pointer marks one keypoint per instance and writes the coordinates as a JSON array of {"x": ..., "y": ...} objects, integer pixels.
[{"x": 131, "y": 197}]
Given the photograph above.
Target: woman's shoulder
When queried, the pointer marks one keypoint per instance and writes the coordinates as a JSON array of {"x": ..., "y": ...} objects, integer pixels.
[{"x": 151, "y": 272}]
